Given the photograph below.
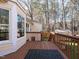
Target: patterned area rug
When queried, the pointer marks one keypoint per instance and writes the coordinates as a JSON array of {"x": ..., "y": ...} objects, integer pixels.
[{"x": 43, "y": 54}]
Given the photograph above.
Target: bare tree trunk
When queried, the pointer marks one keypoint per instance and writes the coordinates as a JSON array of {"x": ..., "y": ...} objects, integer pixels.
[
  {"x": 47, "y": 8},
  {"x": 63, "y": 15},
  {"x": 31, "y": 10},
  {"x": 47, "y": 15}
]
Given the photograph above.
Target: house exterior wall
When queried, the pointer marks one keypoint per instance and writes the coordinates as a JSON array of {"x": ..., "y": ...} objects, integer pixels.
[
  {"x": 14, "y": 43},
  {"x": 36, "y": 27}
]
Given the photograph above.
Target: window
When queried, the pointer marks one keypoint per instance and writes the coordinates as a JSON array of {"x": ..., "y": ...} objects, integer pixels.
[
  {"x": 27, "y": 27},
  {"x": 4, "y": 24},
  {"x": 20, "y": 26}
]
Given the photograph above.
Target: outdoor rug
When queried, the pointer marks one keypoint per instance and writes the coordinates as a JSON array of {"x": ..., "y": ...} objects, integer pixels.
[{"x": 43, "y": 54}]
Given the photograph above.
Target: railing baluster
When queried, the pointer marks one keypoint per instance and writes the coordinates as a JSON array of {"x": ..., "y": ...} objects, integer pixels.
[{"x": 68, "y": 44}]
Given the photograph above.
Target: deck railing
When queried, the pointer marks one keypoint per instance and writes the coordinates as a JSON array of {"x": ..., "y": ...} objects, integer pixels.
[
  {"x": 40, "y": 36},
  {"x": 33, "y": 36},
  {"x": 68, "y": 44}
]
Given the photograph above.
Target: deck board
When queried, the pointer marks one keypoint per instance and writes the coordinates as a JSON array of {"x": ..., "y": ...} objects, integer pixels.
[{"x": 20, "y": 54}]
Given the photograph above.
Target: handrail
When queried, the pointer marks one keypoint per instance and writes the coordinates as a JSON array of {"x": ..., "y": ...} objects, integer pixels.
[
  {"x": 37, "y": 32},
  {"x": 69, "y": 36}
]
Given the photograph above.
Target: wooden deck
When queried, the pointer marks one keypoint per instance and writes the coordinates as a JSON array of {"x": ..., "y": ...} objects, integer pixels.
[{"x": 20, "y": 54}]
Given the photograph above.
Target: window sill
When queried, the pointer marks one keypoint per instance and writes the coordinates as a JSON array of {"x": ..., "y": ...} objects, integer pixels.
[{"x": 5, "y": 42}]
